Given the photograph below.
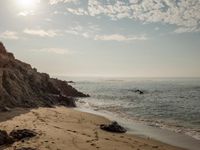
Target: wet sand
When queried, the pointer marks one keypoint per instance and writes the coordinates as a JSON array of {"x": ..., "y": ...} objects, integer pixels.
[{"x": 63, "y": 128}]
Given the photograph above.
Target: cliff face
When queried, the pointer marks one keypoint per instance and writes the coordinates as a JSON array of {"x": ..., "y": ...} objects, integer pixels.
[{"x": 23, "y": 86}]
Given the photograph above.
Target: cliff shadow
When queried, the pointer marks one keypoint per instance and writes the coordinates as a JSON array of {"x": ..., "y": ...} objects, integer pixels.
[{"x": 7, "y": 115}]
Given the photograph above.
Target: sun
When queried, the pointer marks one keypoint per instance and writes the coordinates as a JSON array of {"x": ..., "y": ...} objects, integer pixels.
[{"x": 27, "y": 4}]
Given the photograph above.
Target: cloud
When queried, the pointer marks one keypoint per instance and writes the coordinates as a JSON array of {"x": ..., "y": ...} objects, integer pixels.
[
  {"x": 48, "y": 19},
  {"x": 182, "y": 13},
  {"x": 9, "y": 35},
  {"x": 26, "y": 13},
  {"x": 42, "y": 33},
  {"x": 186, "y": 30},
  {"x": 78, "y": 11},
  {"x": 72, "y": 32},
  {"x": 53, "y": 2},
  {"x": 92, "y": 31},
  {"x": 58, "y": 51},
  {"x": 119, "y": 37},
  {"x": 88, "y": 31}
]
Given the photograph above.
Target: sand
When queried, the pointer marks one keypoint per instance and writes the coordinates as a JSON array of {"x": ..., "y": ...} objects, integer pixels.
[{"x": 63, "y": 128}]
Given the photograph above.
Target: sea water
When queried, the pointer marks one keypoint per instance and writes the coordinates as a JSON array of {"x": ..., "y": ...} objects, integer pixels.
[{"x": 168, "y": 103}]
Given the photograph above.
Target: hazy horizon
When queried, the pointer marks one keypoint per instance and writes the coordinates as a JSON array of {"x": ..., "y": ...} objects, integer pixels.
[
  {"x": 124, "y": 77},
  {"x": 105, "y": 38}
]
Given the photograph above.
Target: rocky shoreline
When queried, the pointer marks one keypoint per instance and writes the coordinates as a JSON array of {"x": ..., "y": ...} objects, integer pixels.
[{"x": 23, "y": 86}]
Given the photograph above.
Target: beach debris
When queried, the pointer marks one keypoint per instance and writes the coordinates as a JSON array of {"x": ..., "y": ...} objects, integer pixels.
[
  {"x": 113, "y": 127},
  {"x": 22, "y": 134},
  {"x": 5, "y": 139}
]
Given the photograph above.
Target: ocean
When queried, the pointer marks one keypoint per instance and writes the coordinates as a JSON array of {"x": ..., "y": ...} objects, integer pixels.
[{"x": 166, "y": 103}]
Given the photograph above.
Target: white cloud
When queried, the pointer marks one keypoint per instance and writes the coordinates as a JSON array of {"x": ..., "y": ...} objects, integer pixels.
[
  {"x": 42, "y": 33},
  {"x": 9, "y": 35},
  {"x": 53, "y": 2},
  {"x": 26, "y": 13},
  {"x": 48, "y": 19},
  {"x": 182, "y": 13},
  {"x": 186, "y": 29},
  {"x": 92, "y": 31},
  {"x": 88, "y": 31},
  {"x": 72, "y": 32},
  {"x": 59, "y": 51},
  {"x": 86, "y": 35},
  {"x": 119, "y": 37},
  {"x": 78, "y": 11}
]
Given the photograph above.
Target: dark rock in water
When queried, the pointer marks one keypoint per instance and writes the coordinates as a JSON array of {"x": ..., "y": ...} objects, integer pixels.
[
  {"x": 139, "y": 92},
  {"x": 22, "y": 86},
  {"x": 70, "y": 82},
  {"x": 66, "y": 101},
  {"x": 113, "y": 127},
  {"x": 4, "y": 138},
  {"x": 26, "y": 148},
  {"x": 22, "y": 134}
]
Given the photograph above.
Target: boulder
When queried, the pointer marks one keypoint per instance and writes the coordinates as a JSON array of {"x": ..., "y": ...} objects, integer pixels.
[
  {"x": 22, "y": 134},
  {"x": 4, "y": 138},
  {"x": 113, "y": 127}
]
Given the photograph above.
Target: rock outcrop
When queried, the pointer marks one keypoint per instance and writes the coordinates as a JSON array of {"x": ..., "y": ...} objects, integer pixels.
[
  {"x": 18, "y": 135},
  {"x": 22, "y": 86},
  {"x": 139, "y": 92},
  {"x": 113, "y": 127},
  {"x": 14, "y": 136},
  {"x": 5, "y": 139}
]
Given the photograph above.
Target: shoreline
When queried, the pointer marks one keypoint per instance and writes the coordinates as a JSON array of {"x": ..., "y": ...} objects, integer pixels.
[
  {"x": 140, "y": 129},
  {"x": 63, "y": 127}
]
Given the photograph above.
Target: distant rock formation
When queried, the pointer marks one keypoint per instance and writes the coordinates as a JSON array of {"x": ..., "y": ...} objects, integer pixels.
[
  {"x": 139, "y": 92},
  {"x": 22, "y": 86}
]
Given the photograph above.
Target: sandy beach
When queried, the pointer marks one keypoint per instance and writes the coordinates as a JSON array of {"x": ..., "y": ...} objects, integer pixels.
[{"x": 64, "y": 128}]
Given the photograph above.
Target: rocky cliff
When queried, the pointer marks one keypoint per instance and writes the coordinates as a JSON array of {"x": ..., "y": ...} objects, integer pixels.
[{"x": 22, "y": 86}]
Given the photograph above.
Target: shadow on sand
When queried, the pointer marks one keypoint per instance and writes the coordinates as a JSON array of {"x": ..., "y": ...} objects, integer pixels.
[{"x": 4, "y": 116}]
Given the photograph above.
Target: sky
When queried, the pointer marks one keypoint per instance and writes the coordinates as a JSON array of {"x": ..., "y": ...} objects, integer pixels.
[{"x": 109, "y": 38}]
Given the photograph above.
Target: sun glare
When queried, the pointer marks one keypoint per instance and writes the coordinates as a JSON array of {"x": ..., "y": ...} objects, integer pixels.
[{"x": 27, "y": 4}]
